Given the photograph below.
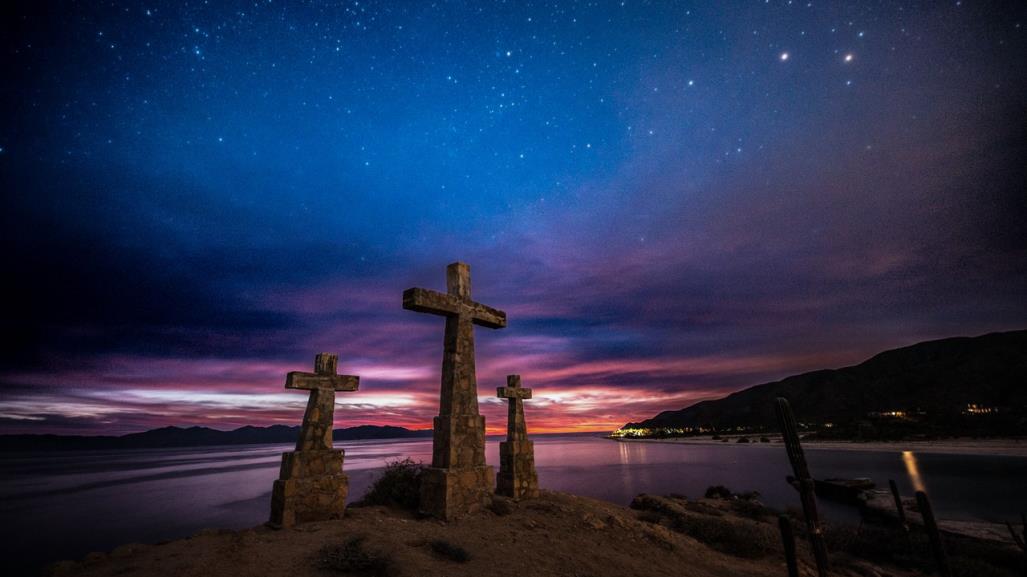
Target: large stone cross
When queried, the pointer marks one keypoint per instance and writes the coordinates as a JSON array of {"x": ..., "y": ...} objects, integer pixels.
[
  {"x": 459, "y": 481},
  {"x": 459, "y": 385},
  {"x": 311, "y": 485},
  {"x": 517, "y": 477}
]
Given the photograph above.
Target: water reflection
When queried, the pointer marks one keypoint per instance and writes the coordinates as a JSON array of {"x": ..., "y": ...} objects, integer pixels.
[
  {"x": 633, "y": 453},
  {"x": 913, "y": 471},
  {"x": 63, "y": 505}
]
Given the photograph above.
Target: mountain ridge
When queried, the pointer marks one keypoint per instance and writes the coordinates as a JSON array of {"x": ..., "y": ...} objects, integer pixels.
[
  {"x": 931, "y": 382},
  {"x": 196, "y": 436}
]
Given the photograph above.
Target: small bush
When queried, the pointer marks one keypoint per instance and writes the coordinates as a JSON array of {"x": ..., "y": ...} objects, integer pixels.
[
  {"x": 450, "y": 551},
  {"x": 750, "y": 508},
  {"x": 704, "y": 508},
  {"x": 967, "y": 556},
  {"x": 398, "y": 486},
  {"x": 650, "y": 517},
  {"x": 352, "y": 558},
  {"x": 661, "y": 505},
  {"x": 747, "y": 540},
  {"x": 742, "y": 440},
  {"x": 718, "y": 492},
  {"x": 501, "y": 506},
  {"x": 971, "y": 567},
  {"x": 764, "y": 439}
]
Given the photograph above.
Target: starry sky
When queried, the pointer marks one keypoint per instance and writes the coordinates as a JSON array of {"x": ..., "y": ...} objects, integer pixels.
[{"x": 671, "y": 200}]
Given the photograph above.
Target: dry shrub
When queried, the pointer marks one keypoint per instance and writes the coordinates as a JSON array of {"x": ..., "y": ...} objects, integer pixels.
[
  {"x": 750, "y": 540},
  {"x": 352, "y": 558},
  {"x": 398, "y": 486},
  {"x": 448, "y": 550}
]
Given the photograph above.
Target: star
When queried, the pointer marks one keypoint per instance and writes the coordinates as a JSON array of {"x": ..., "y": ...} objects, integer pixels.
[
  {"x": 849, "y": 57},
  {"x": 784, "y": 56}
]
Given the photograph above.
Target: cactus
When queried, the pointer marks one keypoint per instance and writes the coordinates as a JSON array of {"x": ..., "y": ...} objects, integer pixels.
[
  {"x": 931, "y": 526},
  {"x": 788, "y": 540},
  {"x": 790, "y": 434}
]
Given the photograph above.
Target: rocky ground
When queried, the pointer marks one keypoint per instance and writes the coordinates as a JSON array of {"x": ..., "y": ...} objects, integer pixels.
[{"x": 555, "y": 535}]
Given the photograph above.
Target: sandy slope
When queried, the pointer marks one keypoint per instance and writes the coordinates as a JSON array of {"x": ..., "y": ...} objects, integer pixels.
[{"x": 557, "y": 535}]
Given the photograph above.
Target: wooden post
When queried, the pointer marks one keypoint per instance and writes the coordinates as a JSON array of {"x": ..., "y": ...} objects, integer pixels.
[
  {"x": 931, "y": 526},
  {"x": 788, "y": 540},
  {"x": 790, "y": 434},
  {"x": 1020, "y": 538},
  {"x": 899, "y": 509}
]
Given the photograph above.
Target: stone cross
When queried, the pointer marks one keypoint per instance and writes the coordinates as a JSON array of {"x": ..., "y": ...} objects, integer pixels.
[
  {"x": 517, "y": 477},
  {"x": 316, "y": 433},
  {"x": 459, "y": 481},
  {"x": 311, "y": 485}
]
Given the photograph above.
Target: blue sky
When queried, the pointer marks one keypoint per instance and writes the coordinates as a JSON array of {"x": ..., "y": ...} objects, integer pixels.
[{"x": 671, "y": 200}]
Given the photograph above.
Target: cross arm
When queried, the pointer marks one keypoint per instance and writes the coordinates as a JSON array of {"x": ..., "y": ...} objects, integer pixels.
[
  {"x": 513, "y": 393},
  {"x": 429, "y": 301},
  {"x": 487, "y": 316},
  {"x": 311, "y": 381}
]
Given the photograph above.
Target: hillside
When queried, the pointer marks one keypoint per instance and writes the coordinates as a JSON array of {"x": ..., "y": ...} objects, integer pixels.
[
  {"x": 930, "y": 385},
  {"x": 556, "y": 535},
  {"x": 195, "y": 437}
]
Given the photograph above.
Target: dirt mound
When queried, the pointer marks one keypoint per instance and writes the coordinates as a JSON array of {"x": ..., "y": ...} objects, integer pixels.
[{"x": 556, "y": 535}]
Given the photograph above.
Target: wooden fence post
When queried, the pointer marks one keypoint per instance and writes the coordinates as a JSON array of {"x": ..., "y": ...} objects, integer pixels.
[
  {"x": 898, "y": 503},
  {"x": 931, "y": 526},
  {"x": 788, "y": 540},
  {"x": 790, "y": 434}
]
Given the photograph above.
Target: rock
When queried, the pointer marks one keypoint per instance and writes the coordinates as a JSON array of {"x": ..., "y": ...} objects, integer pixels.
[
  {"x": 502, "y": 506},
  {"x": 129, "y": 550},
  {"x": 94, "y": 557},
  {"x": 592, "y": 521}
]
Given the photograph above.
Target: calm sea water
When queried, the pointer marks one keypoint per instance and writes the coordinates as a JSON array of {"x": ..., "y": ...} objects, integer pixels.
[{"x": 63, "y": 505}]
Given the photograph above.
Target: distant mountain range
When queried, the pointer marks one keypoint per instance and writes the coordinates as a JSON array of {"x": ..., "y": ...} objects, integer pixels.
[
  {"x": 195, "y": 437},
  {"x": 942, "y": 385}
]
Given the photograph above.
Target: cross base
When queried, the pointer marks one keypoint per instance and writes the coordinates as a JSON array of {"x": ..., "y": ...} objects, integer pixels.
[
  {"x": 517, "y": 477},
  {"x": 451, "y": 493},
  {"x": 311, "y": 487},
  {"x": 458, "y": 441}
]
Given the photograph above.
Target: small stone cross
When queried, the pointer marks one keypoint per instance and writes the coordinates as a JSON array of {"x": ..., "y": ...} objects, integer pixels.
[
  {"x": 517, "y": 477},
  {"x": 311, "y": 485},
  {"x": 516, "y": 430},
  {"x": 316, "y": 433}
]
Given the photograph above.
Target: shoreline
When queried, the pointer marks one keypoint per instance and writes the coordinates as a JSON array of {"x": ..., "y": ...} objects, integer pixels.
[{"x": 965, "y": 446}]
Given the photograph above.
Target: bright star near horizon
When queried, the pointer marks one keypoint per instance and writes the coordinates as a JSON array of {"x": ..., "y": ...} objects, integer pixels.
[
  {"x": 849, "y": 57},
  {"x": 784, "y": 56}
]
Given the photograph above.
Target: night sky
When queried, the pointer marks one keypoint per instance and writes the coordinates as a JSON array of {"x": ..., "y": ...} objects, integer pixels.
[{"x": 671, "y": 201}]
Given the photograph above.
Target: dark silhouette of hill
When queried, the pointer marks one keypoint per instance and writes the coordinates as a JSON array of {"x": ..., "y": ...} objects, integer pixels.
[
  {"x": 195, "y": 437},
  {"x": 931, "y": 383}
]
